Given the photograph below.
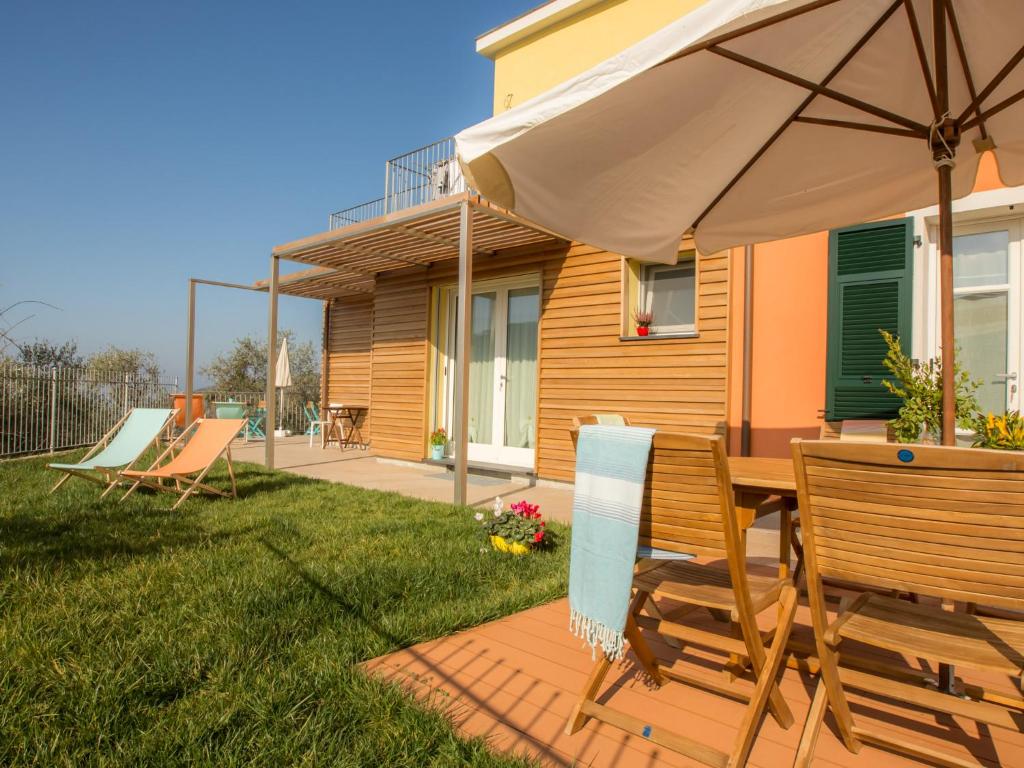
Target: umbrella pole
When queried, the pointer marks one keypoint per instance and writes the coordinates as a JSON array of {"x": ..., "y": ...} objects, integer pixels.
[
  {"x": 945, "y": 136},
  {"x": 946, "y": 305}
]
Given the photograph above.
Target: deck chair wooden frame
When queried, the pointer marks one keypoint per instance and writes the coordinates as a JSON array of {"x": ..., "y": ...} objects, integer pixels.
[
  {"x": 191, "y": 484},
  {"x": 109, "y": 477},
  {"x": 689, "y": 508},
  {"x": 945, "y": 523}
]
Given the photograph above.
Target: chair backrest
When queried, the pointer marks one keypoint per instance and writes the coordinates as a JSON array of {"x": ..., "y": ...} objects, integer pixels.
[
  {"x": 207, "y": 443},
  {"x": 231, "y": 410},
  {"x": 858, "y": 430},
  {"x": 936, "y": 521},
  {"x": 138, "y": 432},
  {"x": 688, "y": 499},
  {"x": 611, "y": 419}
]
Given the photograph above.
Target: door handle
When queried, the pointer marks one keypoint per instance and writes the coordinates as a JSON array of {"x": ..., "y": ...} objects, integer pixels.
[
  {"x": 1011, "y": 376},
  {"x": 866, "y": 379}
]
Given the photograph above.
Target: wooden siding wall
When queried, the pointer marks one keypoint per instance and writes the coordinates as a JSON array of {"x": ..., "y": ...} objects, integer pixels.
[
  {"x": 672, "y": 384},
  {"x": 348, "y": 353},
  {"x": 583, "y": 366},
  {"x": 399, "y": 370}
]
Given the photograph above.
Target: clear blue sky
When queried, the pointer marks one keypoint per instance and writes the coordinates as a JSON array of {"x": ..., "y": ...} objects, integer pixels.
[{"x": 142, "y": 143}]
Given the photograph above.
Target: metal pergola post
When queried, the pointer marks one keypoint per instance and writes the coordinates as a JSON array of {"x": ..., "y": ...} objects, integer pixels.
[
  {"x": 463, "y": 337},
  {"x": 275, "y": 275},
  {"x": 190, "y": 354}
]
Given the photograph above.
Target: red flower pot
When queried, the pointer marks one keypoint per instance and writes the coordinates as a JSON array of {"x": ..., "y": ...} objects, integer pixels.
[{"x": 642, "y": 330}]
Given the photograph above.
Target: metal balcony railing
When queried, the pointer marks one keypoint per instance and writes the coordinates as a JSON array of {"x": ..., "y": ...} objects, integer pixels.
[{"x": 417, "y": 177}]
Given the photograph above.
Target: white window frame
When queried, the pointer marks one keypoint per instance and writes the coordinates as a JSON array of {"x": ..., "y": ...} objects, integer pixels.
[{"x": 646, "y": 284}]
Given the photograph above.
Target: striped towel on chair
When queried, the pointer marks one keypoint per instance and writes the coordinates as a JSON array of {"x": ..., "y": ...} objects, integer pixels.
[{"x": 611, "y": 466}]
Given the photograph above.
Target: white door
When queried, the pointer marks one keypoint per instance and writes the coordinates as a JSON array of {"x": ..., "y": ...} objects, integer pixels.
[
  {"x": 502, "y": 371},
  {"x": 987, "y": 309}
]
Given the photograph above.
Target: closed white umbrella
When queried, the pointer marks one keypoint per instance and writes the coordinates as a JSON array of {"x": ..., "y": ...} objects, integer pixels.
[
  {"x": 283, "y": 377},
  {"x": 754, "y": 120}
]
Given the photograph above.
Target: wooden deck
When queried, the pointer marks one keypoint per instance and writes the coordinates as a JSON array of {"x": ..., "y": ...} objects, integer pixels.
[{"x": 514, "y": 681}]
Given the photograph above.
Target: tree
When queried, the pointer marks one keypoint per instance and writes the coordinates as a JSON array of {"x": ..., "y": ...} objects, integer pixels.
[
  {"x": 244, "y": 367},
  {"x": 46, "y": 353},
  {"x": 139, "y": 363}
]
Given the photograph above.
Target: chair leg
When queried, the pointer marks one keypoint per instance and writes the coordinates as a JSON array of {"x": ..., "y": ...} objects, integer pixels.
[
  {"x": 597, "y": 675},
  {"x": 812, "y": 727},
  {"x": 231, "y": 474},
  {"x": 61, "y": 482},
  {"x": 638, "y": 644},
  {"x": 766, "y": 682},
  {"x": 829, "y": 659}
]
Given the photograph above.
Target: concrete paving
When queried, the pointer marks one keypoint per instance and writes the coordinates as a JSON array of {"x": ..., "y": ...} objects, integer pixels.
[{"x": 361, "y": 468}]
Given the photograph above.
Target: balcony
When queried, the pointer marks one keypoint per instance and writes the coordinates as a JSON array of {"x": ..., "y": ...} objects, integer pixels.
[{"x": 425, "y": 174}]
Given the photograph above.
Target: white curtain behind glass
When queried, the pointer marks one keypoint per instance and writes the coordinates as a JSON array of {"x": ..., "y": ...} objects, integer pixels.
[
  {"x": 481, "y": 369},
  {"x": 521, "y": 368}
]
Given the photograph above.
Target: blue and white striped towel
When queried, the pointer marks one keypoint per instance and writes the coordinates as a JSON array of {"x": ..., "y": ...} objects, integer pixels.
[{"x": 611, "y": 466}]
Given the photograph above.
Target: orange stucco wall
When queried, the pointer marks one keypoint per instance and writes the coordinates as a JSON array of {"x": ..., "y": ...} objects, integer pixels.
[{"x": 790, "y": 325}]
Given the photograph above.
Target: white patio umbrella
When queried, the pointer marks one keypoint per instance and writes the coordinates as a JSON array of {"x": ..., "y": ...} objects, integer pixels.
[
  {"x": 754, "y": 120},
  {"x": 283, "y": 378}
]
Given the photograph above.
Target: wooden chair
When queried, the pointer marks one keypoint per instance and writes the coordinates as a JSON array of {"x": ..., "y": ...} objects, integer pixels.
[
  {"x": 579, "y": 421},
  {"x": 855, "y": 430},
  {"x": 946, "y": 523},
  {"x": 688, "y": 508}
]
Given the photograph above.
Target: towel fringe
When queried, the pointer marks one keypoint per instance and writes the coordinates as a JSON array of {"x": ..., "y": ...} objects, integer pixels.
[{"x": 592, "y": 632}]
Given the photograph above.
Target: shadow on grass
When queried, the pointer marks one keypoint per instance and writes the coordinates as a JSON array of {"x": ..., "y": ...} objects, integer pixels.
[{"x": 354, "y": 610}]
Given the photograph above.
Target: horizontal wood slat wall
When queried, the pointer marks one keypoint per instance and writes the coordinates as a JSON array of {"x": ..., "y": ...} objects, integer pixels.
[
  {"x": 583, "y": 367},
  {"x": 399, "y": 369},
  {"x": 676, "y": 384},
  {"x": 348, "y": 353}
]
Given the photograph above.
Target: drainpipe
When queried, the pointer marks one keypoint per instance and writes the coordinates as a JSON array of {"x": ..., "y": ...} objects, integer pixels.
[{"x": 748, "y": 347}]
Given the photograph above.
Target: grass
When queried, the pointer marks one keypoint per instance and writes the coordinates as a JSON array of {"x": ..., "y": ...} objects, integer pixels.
[{"x": 227, "y": 632}]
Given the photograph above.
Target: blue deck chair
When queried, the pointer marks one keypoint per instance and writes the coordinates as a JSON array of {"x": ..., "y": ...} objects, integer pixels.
[{"x": 119, "y": 449}]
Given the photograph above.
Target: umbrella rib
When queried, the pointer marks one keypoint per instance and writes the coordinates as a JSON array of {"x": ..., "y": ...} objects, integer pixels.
[
  {"x": 889, "y": 130},
  {"x": 961, "y": 53},
  {"x": 915, "y": 31},
  {"x": 981, "y": 116},
  {"x": 870, "y": 33},
  {"x": 821, "y": 90},
  {"x": 996, "y": 81}
]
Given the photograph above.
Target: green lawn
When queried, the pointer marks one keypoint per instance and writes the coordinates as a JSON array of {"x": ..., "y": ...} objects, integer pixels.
[{"x": 226, "y": 633}]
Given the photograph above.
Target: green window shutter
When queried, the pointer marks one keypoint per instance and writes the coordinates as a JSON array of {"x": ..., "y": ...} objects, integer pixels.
[{"x": 870, "y": 287}]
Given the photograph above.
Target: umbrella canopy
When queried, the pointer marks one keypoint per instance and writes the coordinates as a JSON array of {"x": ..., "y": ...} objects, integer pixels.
[
  {"x": 755, "y": 120},
  {"x": 283, "y": 369}
]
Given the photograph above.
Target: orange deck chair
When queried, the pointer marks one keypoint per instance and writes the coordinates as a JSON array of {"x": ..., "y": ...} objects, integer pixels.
[{"x": 207, "y": 440}]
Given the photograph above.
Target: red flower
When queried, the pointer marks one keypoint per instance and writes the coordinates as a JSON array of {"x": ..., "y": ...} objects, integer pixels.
[
  {"x": 541, "y": 523},
  {"x": 538, "y": 536}
]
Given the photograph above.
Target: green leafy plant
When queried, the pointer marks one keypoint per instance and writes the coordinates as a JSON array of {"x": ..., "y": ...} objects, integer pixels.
[
  {"x": 919, "y": 385},
  {"x": 1005, "y": 433},
  {"x": 439, "y": 437},
  {"x": 521, "y": 524}
]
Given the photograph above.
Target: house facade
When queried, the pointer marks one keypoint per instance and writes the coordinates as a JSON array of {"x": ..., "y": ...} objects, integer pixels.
[{"x": 554, "y": 332}]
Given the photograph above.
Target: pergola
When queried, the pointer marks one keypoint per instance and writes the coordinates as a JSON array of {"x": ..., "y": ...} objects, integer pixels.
[{"x": 346, "y": 262}]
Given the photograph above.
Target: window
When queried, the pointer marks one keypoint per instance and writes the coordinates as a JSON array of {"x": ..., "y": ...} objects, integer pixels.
[{"x": 669, "y": 293}]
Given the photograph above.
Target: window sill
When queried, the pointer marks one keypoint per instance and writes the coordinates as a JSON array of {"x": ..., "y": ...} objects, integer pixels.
[{"x": 662, "y": 336}]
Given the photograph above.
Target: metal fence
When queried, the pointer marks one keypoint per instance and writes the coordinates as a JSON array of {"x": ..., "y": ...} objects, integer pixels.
[
  {"x": 425, "y": 174},
  {"x": 50, "y": 409},
  {"x": 45, "y": 409}
]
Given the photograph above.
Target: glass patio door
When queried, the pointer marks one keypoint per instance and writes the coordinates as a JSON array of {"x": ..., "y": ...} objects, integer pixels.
[
  {"x": 502, "y": 371},
  {"x": 987, "y": 312}
]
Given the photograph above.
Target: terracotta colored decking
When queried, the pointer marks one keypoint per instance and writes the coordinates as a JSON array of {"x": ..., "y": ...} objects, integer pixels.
[{"x": 514, "y": 681}]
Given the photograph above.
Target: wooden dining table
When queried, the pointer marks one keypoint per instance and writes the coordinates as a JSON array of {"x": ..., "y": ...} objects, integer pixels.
[{"x": 764, "y": 487}]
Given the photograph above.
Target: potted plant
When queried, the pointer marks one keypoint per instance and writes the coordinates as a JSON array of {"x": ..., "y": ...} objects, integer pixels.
[
  {"x": 438, "y": 443},
  {"x": 643, "y": 322},
  {"x": 919, "y": 386},
  {"x": 1004, "y": 433},
  {"x": 518, "y": 530}
]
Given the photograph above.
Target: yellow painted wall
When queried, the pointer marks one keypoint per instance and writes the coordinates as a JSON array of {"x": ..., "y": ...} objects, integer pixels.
[{"x": 577, "y": 43}]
